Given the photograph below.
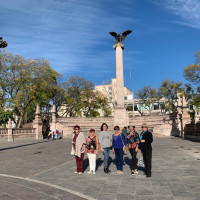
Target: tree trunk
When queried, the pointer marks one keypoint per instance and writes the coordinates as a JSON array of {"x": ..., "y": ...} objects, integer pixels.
[{"x": 20, "y": 121}]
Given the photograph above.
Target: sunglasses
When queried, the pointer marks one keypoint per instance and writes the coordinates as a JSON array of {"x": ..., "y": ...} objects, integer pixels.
[{"x": 76, "y": 129}]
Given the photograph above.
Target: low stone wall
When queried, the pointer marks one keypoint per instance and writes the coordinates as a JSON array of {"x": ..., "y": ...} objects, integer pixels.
[
  {"x": 151, "y": 121},
  {"x": 192, "y": 132},
  {"x": 66, "y": 124},
  {"x": 3, "y": 133},
  {"x": 18, "y": 133},
  {"x": 165, "y": 124},
  {"x": 23, "y": 133}
]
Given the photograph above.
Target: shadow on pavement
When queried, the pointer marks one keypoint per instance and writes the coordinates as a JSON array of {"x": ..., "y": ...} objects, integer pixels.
[{"x": 24, "y": 145}]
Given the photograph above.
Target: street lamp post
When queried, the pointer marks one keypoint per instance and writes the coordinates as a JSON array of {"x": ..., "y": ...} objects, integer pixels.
[{"x": 3, "y": 43}]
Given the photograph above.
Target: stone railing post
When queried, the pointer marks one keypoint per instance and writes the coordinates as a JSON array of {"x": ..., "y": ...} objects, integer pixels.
[
  {"x": 10, "y": 135},
  {"x": 53, "y": 124},
  {"x": 185, "y": 115},
  {"x": 37, "y": 124}
]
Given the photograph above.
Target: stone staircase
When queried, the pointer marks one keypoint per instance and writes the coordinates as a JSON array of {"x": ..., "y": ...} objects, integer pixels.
[
  {"x": 67, "y": 124},
  {"x": 151, "y": 121}
]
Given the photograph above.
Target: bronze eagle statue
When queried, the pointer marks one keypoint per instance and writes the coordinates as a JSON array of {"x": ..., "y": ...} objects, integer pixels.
[
  {"x": 3, "y": 43},
  {"x": 118, "y": 37}
]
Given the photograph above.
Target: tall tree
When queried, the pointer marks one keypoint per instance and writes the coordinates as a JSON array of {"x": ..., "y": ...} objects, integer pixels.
[
  {"x": 148, "y": 96},
  {"x": 192, "y": 72},
  {"x": 93, "y": 102},
  {"x": 74, "y": 88},
  {"x": 192, "y": 75},
  {"x": 26, "y": 82},
  {"x": 81, "y": 99},
  {"x": 169, "y": 90}
]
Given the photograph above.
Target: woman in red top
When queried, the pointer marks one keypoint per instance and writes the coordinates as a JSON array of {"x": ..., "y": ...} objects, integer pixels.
[{"x": 92, "y": 150}]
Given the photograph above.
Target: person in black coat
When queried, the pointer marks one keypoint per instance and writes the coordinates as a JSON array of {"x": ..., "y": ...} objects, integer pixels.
[{"x": 146, "y": 138}]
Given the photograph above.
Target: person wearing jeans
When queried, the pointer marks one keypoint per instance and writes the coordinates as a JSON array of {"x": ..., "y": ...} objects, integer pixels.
[
  {"x": 105, "y": 144},
  {"x": 92, "y": 150},
  {"x": 118, "y": 141}
]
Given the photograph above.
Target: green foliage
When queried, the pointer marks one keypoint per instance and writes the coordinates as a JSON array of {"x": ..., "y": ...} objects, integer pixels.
[
  {"x": 4, "y": 117},
  {"x": 196, "y": 102},
  {"x": 26, "y": 82},
  {"x": 192, "y": 72},
  {"x": 169, "y": 90},
  {"x": 80, "y": 98},
  {"x": 148, "y": 96}
]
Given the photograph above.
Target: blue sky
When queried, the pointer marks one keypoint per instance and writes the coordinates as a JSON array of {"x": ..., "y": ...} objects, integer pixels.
[{"x": 73, "y": 35}]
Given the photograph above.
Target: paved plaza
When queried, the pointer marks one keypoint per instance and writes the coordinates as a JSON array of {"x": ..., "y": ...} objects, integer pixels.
[{"x": 44, "y": 170}]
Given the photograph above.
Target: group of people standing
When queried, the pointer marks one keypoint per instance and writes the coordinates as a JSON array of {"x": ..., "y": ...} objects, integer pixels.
[{"x": 117, "y": 143}]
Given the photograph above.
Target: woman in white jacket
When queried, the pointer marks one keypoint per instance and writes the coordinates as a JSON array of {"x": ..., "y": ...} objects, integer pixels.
[{"x": 78, "y": 141}]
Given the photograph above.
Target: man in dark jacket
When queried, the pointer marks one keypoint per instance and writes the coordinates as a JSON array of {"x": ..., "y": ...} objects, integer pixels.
[{"x": 146, "y": 138}]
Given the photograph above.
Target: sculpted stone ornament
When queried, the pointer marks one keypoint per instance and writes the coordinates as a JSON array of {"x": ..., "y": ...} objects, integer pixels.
[{"x": 119, "y": 38}]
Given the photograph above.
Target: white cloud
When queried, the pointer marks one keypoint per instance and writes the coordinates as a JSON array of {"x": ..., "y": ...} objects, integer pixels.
[
  {"x": 187, "y": 10},
  {"x": 70, "y": 34}
]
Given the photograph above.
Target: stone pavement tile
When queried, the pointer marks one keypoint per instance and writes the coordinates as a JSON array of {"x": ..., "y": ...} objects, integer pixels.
[
  {"x": 160, "y": 191},
  {"x": 177, "y": 187},
  {"x": 21, "y": 191},
  {"x": 106, "y": 197},
  {"x": 184, "y": 198},
  {"x": 143, "y": 197},
  {"x": 183, "y": 195},
  {"x": 125, "y": 197},
  {"x": 164, "y": 198},
  {"x": 109, "y": 189},
  {"x": 159, "y": 182},
  {"x": 145, "y": 192},
  {"x": 6, "y": 196},
  {"x": 24, "y": 189}
]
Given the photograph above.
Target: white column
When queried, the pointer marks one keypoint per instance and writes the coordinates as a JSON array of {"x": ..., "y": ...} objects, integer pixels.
[
  {"x": 120, "y": 114},
  {"x": 119, "y": 74}
]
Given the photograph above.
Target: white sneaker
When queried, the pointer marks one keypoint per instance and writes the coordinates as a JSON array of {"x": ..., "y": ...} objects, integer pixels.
[
  {"x": 80, "y": 172},
  {"x": 136, "y": 171},
  {"x": 75, "y": 172},
  {"x": 89, "y": 172},
  {"x": 94, "y": 172}
]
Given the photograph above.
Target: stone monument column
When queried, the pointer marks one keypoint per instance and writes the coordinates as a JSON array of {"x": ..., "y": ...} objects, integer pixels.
[
  {"x": 119, "y": 73},
  {"x": 120, "y": 114}
]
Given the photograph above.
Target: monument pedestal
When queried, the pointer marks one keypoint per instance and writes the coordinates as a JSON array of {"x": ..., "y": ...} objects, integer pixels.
[{"x": 120, "y": 116}]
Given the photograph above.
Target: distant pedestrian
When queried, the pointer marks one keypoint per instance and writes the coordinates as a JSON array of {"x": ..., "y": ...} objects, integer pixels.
[
  {"x": 125, "y": 131},
  {"x": 118, "y": 141},
  {"x": 105, "y": 144},
  {"x": 146, "y": 138},
  {"x": 92, "y": 150},
  {"x": 133, "y": 142},
  {"x": 78, "y": 140}
]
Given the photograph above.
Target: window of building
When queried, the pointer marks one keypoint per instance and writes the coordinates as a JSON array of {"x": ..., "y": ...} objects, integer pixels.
[
  {"x": 135, "y": 108},
  {"x": 162, "y": 106},
  {"x": 130, "y": 107},
  {"x": 156, "y": 107}
]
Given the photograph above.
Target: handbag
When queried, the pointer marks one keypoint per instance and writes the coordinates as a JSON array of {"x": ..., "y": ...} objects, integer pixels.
[
  {"x": 72, "y": 151},
  {"x": 124, "y": 147}
]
